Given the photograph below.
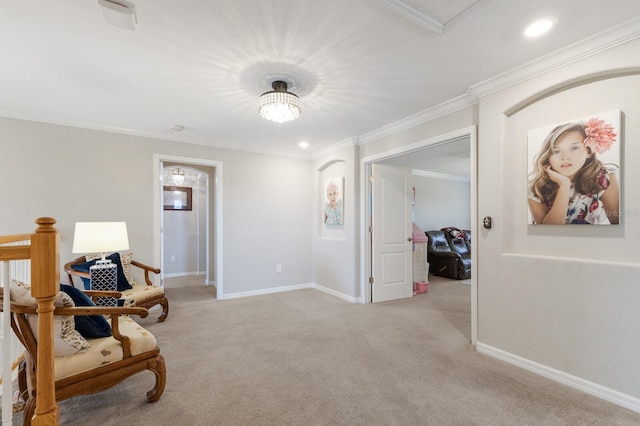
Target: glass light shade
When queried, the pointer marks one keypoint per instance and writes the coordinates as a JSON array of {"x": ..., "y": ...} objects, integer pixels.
[
  {"x": 177, "y": 176},
  {"x": 100, "y": 237},
  {"x": 279, "y": 105}
]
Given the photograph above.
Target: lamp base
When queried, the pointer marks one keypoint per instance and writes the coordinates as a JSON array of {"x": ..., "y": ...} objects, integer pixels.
[{"x": 104, "y": 278}]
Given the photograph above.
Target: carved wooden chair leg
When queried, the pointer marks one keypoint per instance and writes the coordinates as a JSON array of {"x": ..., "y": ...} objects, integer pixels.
[
  {"x": 165, "y": 310},
  {"x": 159, "y": 369}
]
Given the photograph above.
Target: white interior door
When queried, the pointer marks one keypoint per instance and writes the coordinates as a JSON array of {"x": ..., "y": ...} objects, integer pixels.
[{"x": 392, "y": 248}]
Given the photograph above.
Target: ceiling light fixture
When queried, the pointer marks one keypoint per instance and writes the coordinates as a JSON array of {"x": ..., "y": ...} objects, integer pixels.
[
  {"x": 119, "y": 13},
  {"x": 279, "y": 105},
  {"x": 177, "y": 176},
  {"x": 539, "y": 27}
]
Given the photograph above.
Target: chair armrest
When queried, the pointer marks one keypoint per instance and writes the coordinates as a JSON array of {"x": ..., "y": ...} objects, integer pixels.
[
  {"x": 102, "y": 293},
  {"x": 83, "y": 310},
  {"x": 72, "y": 272},
  {"x": 94, "y": 294},
  {"x": 146, "y": 269},
  {"x": 114, "y": 313},
  {"x": 446, "y": 254},
  {"x": 101, "y": 310}
]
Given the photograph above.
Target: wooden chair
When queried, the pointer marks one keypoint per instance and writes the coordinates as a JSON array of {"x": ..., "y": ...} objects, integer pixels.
[
  {"x": 43, "y": 380},
  {"x": 141, "y": 295},
  {"x": 131, "y": 349}
]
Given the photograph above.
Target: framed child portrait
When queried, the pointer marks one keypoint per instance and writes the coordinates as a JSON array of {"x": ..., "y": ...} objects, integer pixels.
[
  {"x": 333, "y": 205},
  {"x": 574, "y": 171}
]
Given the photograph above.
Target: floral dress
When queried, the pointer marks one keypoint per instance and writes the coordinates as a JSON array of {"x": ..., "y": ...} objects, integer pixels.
[{"x": 587, "y": 208}]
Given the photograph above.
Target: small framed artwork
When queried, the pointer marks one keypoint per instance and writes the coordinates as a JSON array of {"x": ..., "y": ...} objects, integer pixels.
[
  {"x": 333, "y": 207},
  {"x": 177, "y": 197}
]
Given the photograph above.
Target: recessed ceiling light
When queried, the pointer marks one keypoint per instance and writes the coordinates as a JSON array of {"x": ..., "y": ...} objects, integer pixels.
[
  {"x": 303, "y": 144},
  {"x": 177, "y": 128},
  {"x": 539, "y": 27}
]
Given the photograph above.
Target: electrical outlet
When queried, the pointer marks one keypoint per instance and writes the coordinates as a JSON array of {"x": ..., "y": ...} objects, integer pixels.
[
  {"x": 278, "y": 268},
  {"x": 173, "y": 258}
]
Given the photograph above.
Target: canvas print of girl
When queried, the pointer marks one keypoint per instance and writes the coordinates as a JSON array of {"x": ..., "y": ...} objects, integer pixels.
[
  {"x": 574, "y": 171},
  {"x": 333, "y": 207}
]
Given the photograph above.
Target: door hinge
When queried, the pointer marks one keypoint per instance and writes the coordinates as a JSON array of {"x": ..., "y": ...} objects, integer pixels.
[
  {"x": 370, "y": 229},
  {"x": 370, "y": 280},
  {"x": 370, "y": 179}
]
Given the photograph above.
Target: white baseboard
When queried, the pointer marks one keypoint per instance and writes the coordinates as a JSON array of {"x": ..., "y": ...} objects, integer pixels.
[
  {"x": 265, "y": 291},
  {"x": 337, "y": 294},
  {"x": 182, "y": 274},
  {"x": 599, "y": 391}
]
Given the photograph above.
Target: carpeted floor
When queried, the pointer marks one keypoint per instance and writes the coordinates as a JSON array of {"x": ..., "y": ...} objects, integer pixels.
[{"x": 308, "y": 358}]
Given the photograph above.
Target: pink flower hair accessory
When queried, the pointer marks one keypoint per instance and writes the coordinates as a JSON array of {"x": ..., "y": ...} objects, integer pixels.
[{"x": 600, "y": 136}]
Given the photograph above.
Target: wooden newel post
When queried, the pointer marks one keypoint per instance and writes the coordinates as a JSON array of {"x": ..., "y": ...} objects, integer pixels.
[{"x": 45, "y": 285}]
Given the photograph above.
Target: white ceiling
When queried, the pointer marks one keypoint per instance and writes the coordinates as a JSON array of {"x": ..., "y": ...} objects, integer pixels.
[{"x": 357, "y": 65}]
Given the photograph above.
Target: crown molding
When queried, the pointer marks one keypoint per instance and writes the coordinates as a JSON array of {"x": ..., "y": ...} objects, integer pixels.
[
  {"x": 60, "y": 121},
  {"x": 345, "y": 143},
  {"x": 619, "y": 35},
  {"x": 597, "y": 43},
  {"x": 422, "y": 117},
  {"x": 415, "y": 15}
]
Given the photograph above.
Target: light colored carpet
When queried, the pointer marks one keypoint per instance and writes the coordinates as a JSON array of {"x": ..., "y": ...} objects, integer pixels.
[{"x": 308, "y": 358}]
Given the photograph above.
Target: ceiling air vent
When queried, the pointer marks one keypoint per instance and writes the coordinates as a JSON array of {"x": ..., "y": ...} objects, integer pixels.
[{"x": 121, "y": 14}]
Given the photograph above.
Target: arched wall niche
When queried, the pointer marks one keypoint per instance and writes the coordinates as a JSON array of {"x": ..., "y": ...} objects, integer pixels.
[
  {"x": 570, "y": 84},
  {"x": 329, "y": 163}
]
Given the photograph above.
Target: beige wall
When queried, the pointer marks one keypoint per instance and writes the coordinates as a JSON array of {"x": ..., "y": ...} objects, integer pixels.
[
  {"x": 441, "y": 202},
  {"x": 76, "y": 174},
  {"x": 563, "y": 300},
  {"x": 335, "y": 248}
]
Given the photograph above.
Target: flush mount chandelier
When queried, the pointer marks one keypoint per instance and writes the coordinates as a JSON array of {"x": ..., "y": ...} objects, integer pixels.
[
  {"x": 177, "y": 176},
  {"x": 279, "y": 105}
]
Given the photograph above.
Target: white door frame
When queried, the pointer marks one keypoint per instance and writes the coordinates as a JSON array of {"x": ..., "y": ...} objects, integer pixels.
[
  {"x": 365, "y": 219},
  {"x": 158, "y": 159}
]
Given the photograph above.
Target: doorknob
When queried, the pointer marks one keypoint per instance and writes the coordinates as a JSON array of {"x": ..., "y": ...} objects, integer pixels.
[
  {"x": 486, "y": 222},
  {"x": 409, "y": 239}
]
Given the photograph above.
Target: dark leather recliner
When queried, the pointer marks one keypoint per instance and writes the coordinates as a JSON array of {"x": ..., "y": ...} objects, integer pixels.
[{"x": 448, "y": 256}]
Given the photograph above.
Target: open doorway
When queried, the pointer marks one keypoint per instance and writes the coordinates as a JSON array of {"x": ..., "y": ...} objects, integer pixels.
[
  {"x": 192, "y": 246},
  {"x": 185, "y": 226},
  {"x": 414, "y": 157}
]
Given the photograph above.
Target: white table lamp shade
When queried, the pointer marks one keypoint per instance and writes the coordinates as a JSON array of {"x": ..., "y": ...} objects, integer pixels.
[{"x": 100, "y": 237}]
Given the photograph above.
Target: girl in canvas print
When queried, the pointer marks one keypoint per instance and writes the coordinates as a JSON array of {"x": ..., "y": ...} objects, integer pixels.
[
  {"x": 333, "y": 208},
  {"x": 569, "y": 184}
]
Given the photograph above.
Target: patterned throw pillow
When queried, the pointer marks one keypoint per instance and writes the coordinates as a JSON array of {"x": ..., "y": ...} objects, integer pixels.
[{"x": 66, "y": 340}]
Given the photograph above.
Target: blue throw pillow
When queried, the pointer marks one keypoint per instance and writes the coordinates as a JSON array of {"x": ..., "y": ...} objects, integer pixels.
[
  {"x": 90, "y": 326},
  {"x": 122, "y": 283}
]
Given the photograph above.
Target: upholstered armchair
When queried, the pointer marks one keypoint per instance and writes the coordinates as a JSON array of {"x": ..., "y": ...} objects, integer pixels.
[
  {"x": 94, "y": 347},
  {"x": 448, "y": 256},
  {"x": 144, "y": 295}
]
